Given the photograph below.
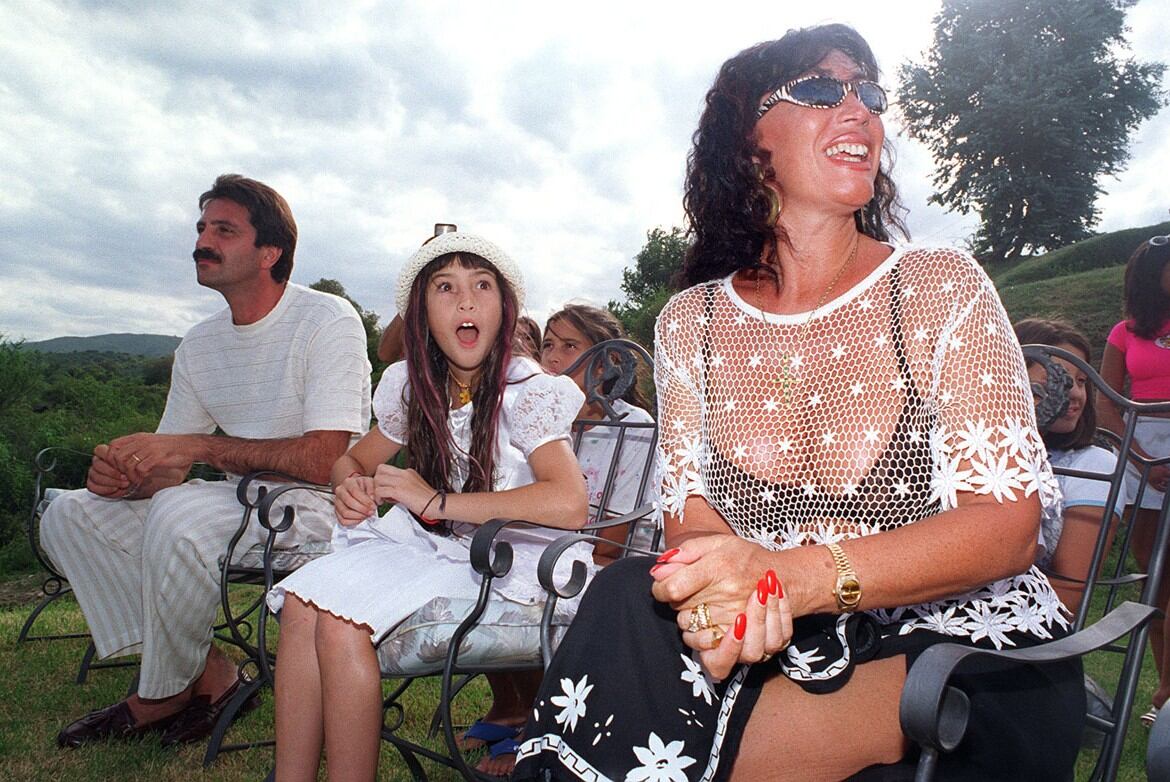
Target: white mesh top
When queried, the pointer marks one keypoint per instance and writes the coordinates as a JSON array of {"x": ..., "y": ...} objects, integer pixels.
[{"x": 896, "y": 397}]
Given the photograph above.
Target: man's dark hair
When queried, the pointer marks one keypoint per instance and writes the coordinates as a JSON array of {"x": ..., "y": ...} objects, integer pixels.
[{"x": 269, "y": 213}]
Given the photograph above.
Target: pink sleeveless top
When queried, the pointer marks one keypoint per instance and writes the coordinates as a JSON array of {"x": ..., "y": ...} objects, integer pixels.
[{"x": 1147, "y": 361}]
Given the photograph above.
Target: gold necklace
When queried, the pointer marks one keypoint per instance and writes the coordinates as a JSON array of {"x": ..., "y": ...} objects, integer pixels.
[
  {"x": 464, "y": 391},
  {"x": 787, "y": 376}
]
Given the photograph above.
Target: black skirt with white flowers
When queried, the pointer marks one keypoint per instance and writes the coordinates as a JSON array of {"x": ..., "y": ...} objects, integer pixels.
[{"x": 624, "y": 699}]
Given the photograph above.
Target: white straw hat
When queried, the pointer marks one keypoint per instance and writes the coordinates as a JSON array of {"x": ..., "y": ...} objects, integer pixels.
[{"x": 457, "y": 242}]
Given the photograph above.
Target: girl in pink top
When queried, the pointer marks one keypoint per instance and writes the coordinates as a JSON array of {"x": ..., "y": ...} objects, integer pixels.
[{"x": 1137, "y": 354}]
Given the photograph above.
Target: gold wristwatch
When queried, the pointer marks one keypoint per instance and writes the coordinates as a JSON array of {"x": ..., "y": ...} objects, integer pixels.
[{"x": 848, "y": 588}]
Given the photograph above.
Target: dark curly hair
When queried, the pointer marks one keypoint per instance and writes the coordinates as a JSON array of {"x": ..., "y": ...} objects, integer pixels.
[
  {"x": 726, "y": 202},
  {"x": 1147, "y": 305}
]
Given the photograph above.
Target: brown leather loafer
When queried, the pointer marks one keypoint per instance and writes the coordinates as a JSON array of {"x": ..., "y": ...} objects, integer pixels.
[
  {"x": 112, "y": 722},
  {"x": 197, "y": 721}
]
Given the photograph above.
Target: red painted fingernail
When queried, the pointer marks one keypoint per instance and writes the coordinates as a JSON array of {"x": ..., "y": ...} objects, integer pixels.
[
  {"x": 655, "y": 567},
  {"x": 762, "y": 591},
  {"x": 666, "y": 555},
  {"x": 740, "y": 626},
  {"x": 773, "y": 582}
]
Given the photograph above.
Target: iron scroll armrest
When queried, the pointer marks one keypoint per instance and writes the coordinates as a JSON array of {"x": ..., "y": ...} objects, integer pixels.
[
  {"x": 934, "y": 714},
  {"x": 491, "y": 557},
  {"x": 551, "y": 556},
  {"x": 45, "y": 463},
  {"x": 267, "y": 498}
]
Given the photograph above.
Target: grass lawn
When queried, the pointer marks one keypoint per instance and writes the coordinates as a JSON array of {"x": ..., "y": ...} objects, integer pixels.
[{"x": 38, "y": 696}]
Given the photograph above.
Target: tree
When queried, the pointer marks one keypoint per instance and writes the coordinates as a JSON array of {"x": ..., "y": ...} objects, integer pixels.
[
  {"x": 1024, "y": 105},
  {"x": 648, "y": 284}
]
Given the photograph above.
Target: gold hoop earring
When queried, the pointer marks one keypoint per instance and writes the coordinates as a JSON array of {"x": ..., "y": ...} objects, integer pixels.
[
  {"x": 774, "y": 205},
  {"x": 773, "y": 196}
]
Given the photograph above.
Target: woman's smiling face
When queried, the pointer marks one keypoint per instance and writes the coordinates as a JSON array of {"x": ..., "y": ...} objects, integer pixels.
[{"x": 824, "y": 157}]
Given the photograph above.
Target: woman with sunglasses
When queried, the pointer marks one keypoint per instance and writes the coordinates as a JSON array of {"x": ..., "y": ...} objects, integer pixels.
[
  {"x": 1137, "y": 356},
  {"x": 851, "y": 473}
]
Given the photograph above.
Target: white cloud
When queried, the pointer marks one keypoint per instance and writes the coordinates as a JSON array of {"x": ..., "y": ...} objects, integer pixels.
[{"x": 562, "y": 134}]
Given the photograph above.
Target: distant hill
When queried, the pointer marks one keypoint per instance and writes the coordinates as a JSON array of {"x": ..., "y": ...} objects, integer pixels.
[{"x": 150, "y": 345}]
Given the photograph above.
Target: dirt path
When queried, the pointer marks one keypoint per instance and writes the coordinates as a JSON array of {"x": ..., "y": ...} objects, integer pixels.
[{"x": 20, "y": 590}]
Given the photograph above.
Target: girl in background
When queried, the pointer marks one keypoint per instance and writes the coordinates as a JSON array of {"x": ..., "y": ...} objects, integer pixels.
[
  {"x": 568, "y": 334},
  {"x": 1068, "y": 539},
  {"x": 1137, "y": 355}
]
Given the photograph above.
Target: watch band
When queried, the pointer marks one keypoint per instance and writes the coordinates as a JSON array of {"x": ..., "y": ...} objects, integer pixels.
[{"x": 848, "y": 587}]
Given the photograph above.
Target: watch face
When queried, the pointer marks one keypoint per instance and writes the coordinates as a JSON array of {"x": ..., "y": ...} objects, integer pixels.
[{"x": 849, "y": 591}]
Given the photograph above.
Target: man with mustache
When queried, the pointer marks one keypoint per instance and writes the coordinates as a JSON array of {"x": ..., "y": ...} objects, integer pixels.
[{"x": 279, "y": 380}]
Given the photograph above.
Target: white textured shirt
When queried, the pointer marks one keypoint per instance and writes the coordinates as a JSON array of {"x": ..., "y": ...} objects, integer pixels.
[{"x": 302, "y": 367}]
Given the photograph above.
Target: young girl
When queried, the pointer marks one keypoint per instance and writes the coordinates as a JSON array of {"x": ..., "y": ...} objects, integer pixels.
[
  {"x": 1069, "y": 538},
  {"x": 1137, "y": 357},
  {"x": 568, "y": 334},
  {"x": 489, "y": 438}
]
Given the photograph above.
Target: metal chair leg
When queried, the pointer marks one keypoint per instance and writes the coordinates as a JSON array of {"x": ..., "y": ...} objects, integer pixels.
[{"x": 46, "y": 601}]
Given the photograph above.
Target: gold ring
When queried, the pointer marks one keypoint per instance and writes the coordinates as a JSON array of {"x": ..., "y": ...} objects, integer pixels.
[
  {"x": 137, "y": 459},
  {"x": 700, "y": 618},
  {"x": 716, "y": 636},
  {"x": 766, "y": 657}
]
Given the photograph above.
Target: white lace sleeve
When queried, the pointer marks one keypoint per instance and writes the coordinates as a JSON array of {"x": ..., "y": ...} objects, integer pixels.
[
  {"x": 678, "y": 367},
  {"x": 542, "y": 411},
  {"x": 390, "y": 403},
  {"x": 986, "y": 440}
]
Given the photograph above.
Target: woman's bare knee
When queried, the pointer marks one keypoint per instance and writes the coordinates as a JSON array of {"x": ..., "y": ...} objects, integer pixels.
[{"x": 829, "y": 736}]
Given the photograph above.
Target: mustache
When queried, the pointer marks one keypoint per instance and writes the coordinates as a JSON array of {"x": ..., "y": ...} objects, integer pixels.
[{"x": 204, "y": 254}]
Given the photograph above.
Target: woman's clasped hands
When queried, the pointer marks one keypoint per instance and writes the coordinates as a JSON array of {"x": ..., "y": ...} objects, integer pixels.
[{"x": 727, "y": 611}]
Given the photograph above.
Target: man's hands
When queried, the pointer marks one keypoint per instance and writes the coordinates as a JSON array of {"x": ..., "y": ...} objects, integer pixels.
[
  {"x": 106, "y": 477},
  {"x": 139, "y": 464}
]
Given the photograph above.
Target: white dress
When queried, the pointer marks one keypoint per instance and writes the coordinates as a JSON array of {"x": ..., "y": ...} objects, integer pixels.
[{"x": 386, "y": 568}]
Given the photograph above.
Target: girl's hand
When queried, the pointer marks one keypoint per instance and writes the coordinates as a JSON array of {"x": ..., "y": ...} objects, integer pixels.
[
  {"x": 719, "y": 570},
  {"x": 761, "y": 630},
  {"x": 393, "y": 484},
  {"x": 354, "y": 500}
]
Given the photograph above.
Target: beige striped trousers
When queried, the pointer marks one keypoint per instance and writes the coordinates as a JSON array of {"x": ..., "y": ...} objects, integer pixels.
[{"x": 146, "y": 572}]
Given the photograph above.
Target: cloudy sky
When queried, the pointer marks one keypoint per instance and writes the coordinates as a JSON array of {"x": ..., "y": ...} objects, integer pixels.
[{"x": 560, "y": 134}]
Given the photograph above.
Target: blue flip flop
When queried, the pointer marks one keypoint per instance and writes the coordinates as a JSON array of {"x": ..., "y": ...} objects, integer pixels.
[
  {"x": 490, "y": 733},
  {"x": 504, "y": 747}
]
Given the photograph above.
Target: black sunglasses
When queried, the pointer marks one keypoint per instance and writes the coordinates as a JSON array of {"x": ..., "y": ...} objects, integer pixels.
[
  {"x": 1158, "y": 241},
  {"x": 825, "y": 92}
]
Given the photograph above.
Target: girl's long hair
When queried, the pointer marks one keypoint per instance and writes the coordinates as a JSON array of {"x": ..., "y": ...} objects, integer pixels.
[
  {"x": 1147, "y": 305},
  {"x": 432, "y": 448},
  {"x": 726, "y": 196}
]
